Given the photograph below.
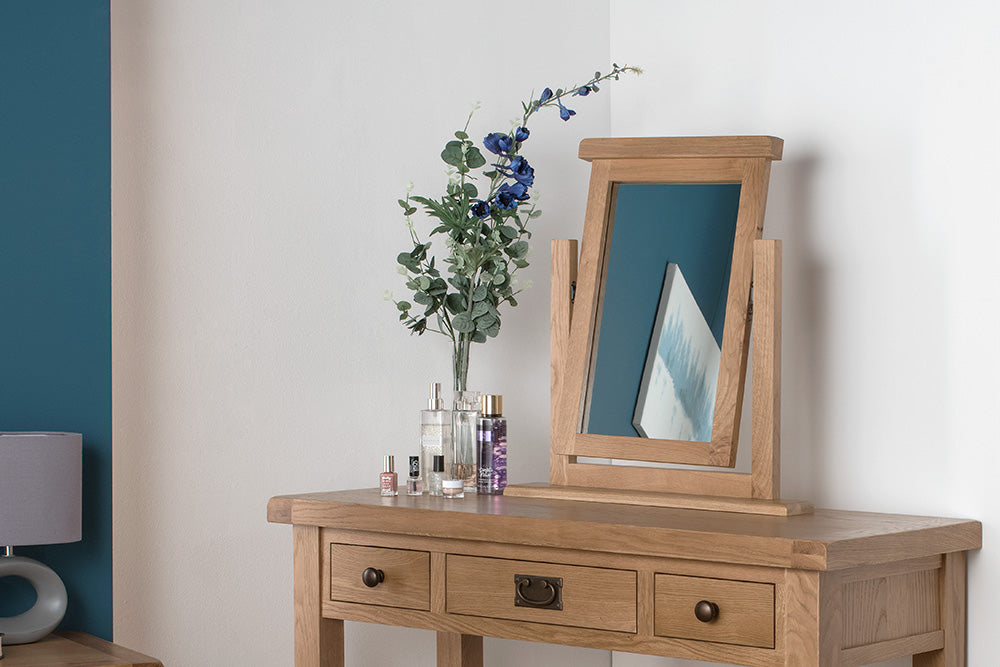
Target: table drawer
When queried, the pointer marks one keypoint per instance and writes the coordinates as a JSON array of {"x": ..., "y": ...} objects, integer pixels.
[
  {"x": 405, "y": 582},
  {"x": 583, "y": 597},
  {"x": 745, "y": 610}
]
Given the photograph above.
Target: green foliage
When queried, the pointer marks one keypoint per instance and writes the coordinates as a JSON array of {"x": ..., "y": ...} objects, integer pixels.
[{"x": 485, "y": 251}]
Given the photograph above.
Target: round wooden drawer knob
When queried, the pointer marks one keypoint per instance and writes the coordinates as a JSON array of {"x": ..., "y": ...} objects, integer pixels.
[
  {"x": 706, "y": 611},
  {"x": 372, "y": 577}
]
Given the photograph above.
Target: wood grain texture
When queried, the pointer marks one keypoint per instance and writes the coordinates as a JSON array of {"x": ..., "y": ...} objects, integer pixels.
[
  {"x": 657, "y": 499},
  {"x": 458, "y": 650},
  {"x": 556, "y": 634},
  {"x": 886, "y": 608},
  {"x": 319, "y": 642},
  {"x": 599, "y": 598},
  {"x": 407, "y": 576},
  {"x": 812, "y": 620},
  {"x": 746, "y": 610},
  {"x": 893, "y": 648},
  {"x": 566, "y": 418},
  {"x": 564, "y": 267},
  {"x": 668, "y": 480},
  {"x": 74, "y": 649},
  {"x": 681, "y": 147},
  {"x": 766, "y": 400},
  {"x": 736, "y": 331},
  {"x": 825, "y": 539},
  {"x": 952, "y": 594},
  {"x": 688, "y": 170}
]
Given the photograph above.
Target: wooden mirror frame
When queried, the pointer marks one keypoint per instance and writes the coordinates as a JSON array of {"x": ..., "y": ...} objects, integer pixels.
[{"x": 745, "y": 160}]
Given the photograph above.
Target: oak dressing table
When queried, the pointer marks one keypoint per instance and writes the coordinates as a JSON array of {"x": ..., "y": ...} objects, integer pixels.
[{"x": 700, "y": 564}]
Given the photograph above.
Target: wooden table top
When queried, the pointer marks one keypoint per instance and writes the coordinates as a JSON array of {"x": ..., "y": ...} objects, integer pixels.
[
  {"x": 74, "y": 649},
  {"x": 824, "y": 540}
]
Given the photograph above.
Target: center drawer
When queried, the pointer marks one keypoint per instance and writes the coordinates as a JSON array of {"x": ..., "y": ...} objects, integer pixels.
[{"x": 583, "y": 597}]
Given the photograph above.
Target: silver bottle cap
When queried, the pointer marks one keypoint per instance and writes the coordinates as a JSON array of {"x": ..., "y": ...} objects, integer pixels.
[
  {"x": 435, "y": 402},
  {"x": 388, "y": 463}
]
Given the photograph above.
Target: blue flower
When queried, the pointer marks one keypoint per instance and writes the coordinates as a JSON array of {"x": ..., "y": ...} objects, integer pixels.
[
  {"x": 519, "y": 190},
  {"x": 480, "y": 208},
  {"x": 498, "y": 143},
  {"x": 506, "y": 200},
  {"x": 582, "y": 91},
  {"x": 546, "y": 96},
  {"x": 522, "y": 172},
  {"x": 521, "y": 133},
  {"x": 564, "y": 113}
]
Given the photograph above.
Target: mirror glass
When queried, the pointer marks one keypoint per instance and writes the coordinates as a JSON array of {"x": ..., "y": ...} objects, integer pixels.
[{"x": 661, "y": 311}]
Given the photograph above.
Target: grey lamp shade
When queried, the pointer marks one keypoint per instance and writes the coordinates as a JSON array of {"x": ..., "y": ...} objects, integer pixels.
[{"x": 40, "y": 487}]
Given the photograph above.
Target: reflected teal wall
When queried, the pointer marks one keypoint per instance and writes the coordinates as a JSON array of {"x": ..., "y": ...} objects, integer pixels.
[
  {"x": 692, "y": 225},
  {"x": 55, "y": 267}
]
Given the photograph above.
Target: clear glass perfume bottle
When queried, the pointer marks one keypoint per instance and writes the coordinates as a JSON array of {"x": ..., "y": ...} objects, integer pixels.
[
  {"x": 435, "y": 432},
  {"x": 462, "y": 463}
]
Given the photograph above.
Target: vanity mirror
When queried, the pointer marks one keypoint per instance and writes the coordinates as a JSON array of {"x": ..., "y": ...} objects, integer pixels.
[{"x": 650, "y": 358}]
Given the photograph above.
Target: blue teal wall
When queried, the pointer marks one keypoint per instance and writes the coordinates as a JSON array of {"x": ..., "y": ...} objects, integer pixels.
[
  {"x": 55, "y": 268},
  {"x": 691, "y": 225}
]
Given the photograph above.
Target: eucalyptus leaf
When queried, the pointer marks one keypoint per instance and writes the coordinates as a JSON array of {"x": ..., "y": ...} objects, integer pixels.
[
  {"x": 470, "y": 190},
  {"x": 403, "y": 305},
  {"x": 479, "y": 337},
  {"x": 462, "y": 323},
  {"x": 480, "y": 308},
  {"x": 473, "y": 158},
  {"x": 423, "y": 298},
  {"x": 424, "y": 282},
  {"x": 518, "y": 250},
  {"x": 452, "y": 154},
  {"x": 479, "y": 293},
  {"x": 463, "y": 135},
  {"x": 455, "y": 302},
  {"x": 508, "y": 232}
]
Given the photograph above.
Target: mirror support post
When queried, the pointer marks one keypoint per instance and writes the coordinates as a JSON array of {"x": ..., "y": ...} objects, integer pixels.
[
  {"x": 564, "y": 266},
  {"x": 766, "y": 309}
]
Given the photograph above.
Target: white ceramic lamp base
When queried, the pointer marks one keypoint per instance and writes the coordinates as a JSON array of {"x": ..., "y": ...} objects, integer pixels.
[{"x": 49, "y": 608}]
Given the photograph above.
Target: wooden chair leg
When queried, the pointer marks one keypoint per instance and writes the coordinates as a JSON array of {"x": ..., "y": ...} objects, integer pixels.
[{"x": 458, "y": 650}]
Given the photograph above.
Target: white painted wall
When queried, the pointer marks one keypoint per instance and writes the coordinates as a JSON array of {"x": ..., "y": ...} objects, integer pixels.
[
  {"x": 886, "y": 201},
  {"x": 258, "y": 151}
]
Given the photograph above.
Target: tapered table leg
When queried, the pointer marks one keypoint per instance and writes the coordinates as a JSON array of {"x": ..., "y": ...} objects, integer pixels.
[
  {"x": 952, "y": 592},
  {"x": 319, "y": 642},
  {"x": 457, "y": 650}
]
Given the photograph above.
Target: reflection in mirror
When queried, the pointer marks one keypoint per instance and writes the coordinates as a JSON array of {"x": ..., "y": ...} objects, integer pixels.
[{"x": 662, "y": 311}]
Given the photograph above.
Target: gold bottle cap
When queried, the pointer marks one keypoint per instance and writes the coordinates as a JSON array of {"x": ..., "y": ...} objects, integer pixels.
[{"x": 491, "y": 405}]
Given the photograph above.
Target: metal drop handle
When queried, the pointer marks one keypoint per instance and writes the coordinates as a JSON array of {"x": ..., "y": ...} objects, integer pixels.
[
  {"x": 372, "y": 577},
  {"x": 706, "y": 611}
]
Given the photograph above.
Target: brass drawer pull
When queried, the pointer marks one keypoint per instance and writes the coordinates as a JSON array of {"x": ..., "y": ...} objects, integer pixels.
[
  {"x": 538, "y": 592},
  {"x": 706, "y": 611},
  {"x": 372, "y": 577}
]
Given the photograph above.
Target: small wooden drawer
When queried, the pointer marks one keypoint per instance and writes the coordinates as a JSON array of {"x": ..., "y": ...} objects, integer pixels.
[
  {"x": 583, "y": 597},
  {"x": 745, "y": 610},
  {"x": 406, "y": 576}
]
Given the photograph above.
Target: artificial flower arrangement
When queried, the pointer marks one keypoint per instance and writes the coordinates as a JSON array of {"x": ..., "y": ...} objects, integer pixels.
[{"x": 484, "y": 218}]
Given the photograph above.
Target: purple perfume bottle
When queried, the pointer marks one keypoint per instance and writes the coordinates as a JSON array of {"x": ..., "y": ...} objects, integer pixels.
[{"x": 491, "y": 441}]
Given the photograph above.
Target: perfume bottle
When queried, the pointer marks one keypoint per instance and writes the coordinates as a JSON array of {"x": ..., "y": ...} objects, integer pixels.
[
  {"x": 387, "y": 480},
  {"x": 435, "y": 432},
  {"x": 436, "y": 474},
  {"x": 491, "y": 441},
  {"x": 462, "y": 463},
  {"x": 453, "y": 488},
  {"x": 413, "y": 485}
]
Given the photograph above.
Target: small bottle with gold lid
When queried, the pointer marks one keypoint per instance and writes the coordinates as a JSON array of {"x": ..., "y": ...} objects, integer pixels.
[{"x": 491, "y": 440}]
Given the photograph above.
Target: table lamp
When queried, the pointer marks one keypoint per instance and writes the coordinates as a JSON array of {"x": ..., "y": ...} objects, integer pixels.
[{"x": 40, "y": 503}]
